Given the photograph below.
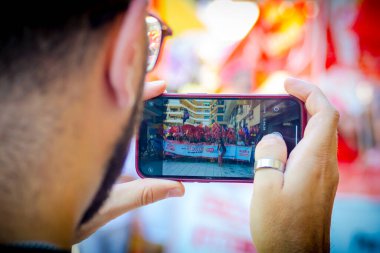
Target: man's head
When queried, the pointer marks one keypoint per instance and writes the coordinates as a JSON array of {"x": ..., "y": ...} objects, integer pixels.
[{"x": 71, "y": 78}]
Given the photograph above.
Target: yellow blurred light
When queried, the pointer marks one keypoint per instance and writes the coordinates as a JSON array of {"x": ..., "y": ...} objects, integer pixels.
[
  {"x": 274, "y": 84},
  {"x": 230, "y": 20},
  {"x": 180, "y": 15}
]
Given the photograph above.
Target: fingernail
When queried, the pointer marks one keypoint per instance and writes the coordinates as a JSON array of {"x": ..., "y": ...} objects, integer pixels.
[
  {"x": 296, "y": 80},
  {"x": 175, "y": 193},
  {"x": 158, "y": 82},
  {"x": 274, "y": 134},
  {"x": 278, "y": 134},
  {"x": 293, "y": 78}
]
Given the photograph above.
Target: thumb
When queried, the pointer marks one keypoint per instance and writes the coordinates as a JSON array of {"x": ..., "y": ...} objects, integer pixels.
[
  {"x": 141, "y": 192},
  {"x": 147, "y": 191},
  {"x": 271, "y": 146},
  {"x": 127, "y": 196}
]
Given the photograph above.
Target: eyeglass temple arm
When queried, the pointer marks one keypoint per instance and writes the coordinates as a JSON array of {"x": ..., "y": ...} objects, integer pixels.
[{"x": 166, "y": 31}]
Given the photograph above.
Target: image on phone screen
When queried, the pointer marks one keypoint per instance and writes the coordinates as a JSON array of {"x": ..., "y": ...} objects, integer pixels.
[{"x": 211, "y": 138}]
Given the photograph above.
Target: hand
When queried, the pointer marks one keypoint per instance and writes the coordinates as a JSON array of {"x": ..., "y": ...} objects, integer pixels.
[
  {"x": 128, "y": 194},
  {"x": 291, "y": 212}
]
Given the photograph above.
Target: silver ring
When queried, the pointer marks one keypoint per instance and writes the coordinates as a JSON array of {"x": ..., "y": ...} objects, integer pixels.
[{"x": 268, "y": 163}]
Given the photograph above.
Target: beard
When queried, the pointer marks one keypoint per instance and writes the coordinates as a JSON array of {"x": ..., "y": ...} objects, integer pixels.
[{"x": 116, "y": 161}]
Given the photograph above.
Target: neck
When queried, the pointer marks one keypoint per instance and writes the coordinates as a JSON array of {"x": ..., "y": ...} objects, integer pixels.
[
  {"x": 25, "y": 222},
  {"x": 30, "y": 232}
]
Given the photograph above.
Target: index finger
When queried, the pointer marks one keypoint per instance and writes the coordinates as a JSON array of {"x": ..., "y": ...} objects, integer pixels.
[
  {"x": 315, "y": 156},
  {"x": 315, "y": 101},
  {"x": 320, "y": 136},
  {"x": 324, "y": 117}
]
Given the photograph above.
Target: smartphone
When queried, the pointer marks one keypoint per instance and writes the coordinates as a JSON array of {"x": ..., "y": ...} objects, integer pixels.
[{"x": 212, "y": 138}]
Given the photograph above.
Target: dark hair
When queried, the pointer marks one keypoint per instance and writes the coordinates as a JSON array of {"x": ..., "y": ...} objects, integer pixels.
[{"x": 31, "y": 30}]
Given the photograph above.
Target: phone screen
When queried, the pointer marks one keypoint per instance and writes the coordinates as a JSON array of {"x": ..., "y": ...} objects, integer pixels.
[{"x": 211, "y": 138}]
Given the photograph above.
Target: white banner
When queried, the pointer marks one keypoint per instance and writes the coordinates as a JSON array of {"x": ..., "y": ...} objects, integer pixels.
[{"x": 243, "y": 153}]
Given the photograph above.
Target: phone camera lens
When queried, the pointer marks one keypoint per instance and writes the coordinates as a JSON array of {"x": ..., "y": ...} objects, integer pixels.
[{"x": 276, "y": 109}]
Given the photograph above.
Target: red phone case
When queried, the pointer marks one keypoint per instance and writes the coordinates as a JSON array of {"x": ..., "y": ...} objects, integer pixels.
[{"x": 216, "y": 96}]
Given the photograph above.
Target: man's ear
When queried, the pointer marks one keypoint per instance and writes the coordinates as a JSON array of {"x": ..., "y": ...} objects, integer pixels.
[{"x": 125, "y": 67}]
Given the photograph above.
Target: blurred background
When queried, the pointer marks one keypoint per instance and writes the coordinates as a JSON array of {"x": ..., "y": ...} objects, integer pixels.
[{"x": 228, "y": 46}]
